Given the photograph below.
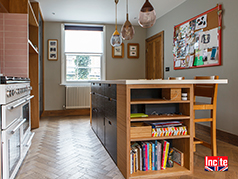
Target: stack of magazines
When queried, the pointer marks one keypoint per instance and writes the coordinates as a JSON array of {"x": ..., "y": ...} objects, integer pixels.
[{"x": 168, "y": 128}]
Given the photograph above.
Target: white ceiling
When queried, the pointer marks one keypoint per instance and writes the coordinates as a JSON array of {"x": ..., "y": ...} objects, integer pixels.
[{"x": 100, "y": 11}]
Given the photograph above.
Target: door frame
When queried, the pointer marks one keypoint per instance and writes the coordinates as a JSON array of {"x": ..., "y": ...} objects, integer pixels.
[{"x": 160, "y": 34}]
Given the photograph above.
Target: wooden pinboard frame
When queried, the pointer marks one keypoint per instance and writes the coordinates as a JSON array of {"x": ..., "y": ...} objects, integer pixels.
[
  {"x": 197, "y": 41},
  {"x": 118, "y": 52}
]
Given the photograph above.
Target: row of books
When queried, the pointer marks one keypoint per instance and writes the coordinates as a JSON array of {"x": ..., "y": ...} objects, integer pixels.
[{"x": 149, "y": 155}]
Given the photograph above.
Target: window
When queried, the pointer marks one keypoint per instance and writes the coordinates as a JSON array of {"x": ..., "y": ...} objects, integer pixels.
[{"x": 83, "y": 52}]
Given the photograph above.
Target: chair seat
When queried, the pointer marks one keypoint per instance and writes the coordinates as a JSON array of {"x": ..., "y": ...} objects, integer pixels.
[{"x": 202, "y": 106}]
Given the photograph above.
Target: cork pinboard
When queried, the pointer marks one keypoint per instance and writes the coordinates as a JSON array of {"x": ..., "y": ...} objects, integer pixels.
[{"x": 197, "y": 41}]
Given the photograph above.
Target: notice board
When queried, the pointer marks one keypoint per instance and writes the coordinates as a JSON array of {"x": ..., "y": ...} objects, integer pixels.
[{"x": 197, "y": 41}]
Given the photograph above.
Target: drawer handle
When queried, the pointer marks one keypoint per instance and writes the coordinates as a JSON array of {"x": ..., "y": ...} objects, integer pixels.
[
  {"x": 110, "y": 122},
  {"x": 100, "y": 84},
  {"x": 109, "y": 99},
  {"x": 109, "y": 85},
  {"x": 93, "y": 83}
]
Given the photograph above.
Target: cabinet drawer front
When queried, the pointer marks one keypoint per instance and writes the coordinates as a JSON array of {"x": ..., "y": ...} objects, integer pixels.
[
  {"x": 111, "y": 139},
  {"x": 97, "y": 88},
  {"x": 111, "y": 91},
  {"x": 110, "y": 110}
]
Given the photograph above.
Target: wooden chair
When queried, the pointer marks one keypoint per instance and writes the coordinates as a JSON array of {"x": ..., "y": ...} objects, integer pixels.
[
  {"x": 176, "y": 78},
  {"x": 208, "y": 91}
]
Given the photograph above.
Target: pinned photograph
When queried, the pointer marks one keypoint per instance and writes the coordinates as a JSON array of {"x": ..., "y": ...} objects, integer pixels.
[{"x": 201, "y": 22}]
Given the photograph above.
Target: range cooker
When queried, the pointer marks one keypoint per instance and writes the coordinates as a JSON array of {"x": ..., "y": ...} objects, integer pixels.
[{"x": 15, "y": 123}]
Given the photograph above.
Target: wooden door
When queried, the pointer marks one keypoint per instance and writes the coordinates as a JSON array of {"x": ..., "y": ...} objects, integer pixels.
[{"x": 155, "y": 56}]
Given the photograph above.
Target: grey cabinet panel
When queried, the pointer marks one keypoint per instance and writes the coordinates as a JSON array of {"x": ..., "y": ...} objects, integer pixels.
[
  {"x": 110, "y": 110},
  {"x": 111, "y": 91},
  {"x": 94, "y": 120},
  {"x": 100, "y": 118},
  {"x": 111, "y": 139},
  {"x": 104, "y": 122}
]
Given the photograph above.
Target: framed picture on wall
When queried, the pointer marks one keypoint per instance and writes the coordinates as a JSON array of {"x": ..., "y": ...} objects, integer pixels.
[
  {"x": 118, "y": 52},
  {"x": 132, "y": 50},
  {"x": 53, "y": 49}
]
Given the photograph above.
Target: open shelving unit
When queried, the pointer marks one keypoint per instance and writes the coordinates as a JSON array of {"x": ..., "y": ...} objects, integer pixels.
[
  {"x": 127, "y": 97},
  {"x": 34, "y": 13}
]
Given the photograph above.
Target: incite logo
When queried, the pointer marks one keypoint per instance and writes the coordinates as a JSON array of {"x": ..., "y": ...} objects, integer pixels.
[{"x": 218, "y": 163}]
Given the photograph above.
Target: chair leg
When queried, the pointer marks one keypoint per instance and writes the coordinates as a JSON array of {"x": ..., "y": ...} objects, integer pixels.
[{"x": 213, "y": 134}]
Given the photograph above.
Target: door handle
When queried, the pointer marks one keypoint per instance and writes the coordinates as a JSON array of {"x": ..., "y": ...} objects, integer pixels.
[
  {"x": 16, "y": 105},
  {"x": 19, "y": 125},
  {"x": 30, "y": 97},
  {"x": 29, "y": 141}
]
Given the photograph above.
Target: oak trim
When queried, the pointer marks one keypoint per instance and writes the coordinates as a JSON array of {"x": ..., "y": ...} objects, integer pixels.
[{"x": 66, "y": 112}]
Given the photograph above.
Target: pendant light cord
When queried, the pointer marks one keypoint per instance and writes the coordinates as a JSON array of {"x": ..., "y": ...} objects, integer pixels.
[
  {"x": 116, "y": 13},
  {"x": 126, "y": 9}
]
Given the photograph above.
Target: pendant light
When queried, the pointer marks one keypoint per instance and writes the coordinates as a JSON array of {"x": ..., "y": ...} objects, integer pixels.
[
  {"x": 116, "y": 39},
  {"x": 147, "y": 16},
  {"x": 127, "y": 30}
]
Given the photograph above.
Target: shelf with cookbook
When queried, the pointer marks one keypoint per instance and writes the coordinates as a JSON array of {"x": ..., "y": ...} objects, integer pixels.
[{"x": 158, "y": 105}]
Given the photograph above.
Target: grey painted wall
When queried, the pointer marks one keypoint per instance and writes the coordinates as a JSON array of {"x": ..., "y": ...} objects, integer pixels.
[
  {"x": 116, "y": 68},
  {"x": 227, "y": 94}
]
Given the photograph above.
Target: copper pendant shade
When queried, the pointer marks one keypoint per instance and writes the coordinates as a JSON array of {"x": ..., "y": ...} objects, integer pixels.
[
  {"x": 127, "y": 30},
  {"x": 116, "y": 39},
  {"x": 147, "y": 15}
]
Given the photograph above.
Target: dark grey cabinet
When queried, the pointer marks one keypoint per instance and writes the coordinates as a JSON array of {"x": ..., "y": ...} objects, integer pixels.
[{"x": 104, "y": 122}]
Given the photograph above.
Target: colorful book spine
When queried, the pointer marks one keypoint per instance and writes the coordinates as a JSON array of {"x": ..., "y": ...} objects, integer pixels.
[
  {"x": 159, "y": 151},
  {"x": 156, "y": 148},
  {"x": 153, "y": 156},
  {"x": 165, "y": 154},
  {"x": 139, "y": 157},
  {"x": 145, "y": 157},
  {"x": 131, "y": 170},
  {"x": 148, "y": 155}
]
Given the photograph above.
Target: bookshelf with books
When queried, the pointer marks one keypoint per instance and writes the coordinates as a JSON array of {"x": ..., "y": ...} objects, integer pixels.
[{"x": 148, "y": 99}]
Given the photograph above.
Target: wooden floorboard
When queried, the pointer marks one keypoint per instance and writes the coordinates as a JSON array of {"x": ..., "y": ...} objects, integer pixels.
[{"x": 67, "y": 148}]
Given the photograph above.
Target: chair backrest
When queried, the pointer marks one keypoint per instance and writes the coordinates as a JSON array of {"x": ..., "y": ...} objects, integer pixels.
[
  {"x": 206, "y": 90},
  {"x": 176, "y": 78}
]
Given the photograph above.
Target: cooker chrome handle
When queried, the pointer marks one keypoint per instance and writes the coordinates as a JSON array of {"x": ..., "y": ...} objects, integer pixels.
[
  {"x": 16, "y": 105},
  {"x": 30, "y": 97},
  {"x": 29, "y": 141},
  {"x": 19, "y": 125}
]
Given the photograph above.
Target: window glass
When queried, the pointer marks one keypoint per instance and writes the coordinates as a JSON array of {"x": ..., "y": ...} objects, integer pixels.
[{"x": 83, "y": 53}]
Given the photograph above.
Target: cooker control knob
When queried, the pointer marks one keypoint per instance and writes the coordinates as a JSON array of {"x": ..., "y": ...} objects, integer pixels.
[
  {"x": 13, "y": 92},
  {"x": 17, "y": 91},
  {"x": 9, "y": 93}
]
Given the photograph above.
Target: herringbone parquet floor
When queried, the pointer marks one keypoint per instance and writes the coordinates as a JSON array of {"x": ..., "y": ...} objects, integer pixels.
[{"x": 67, "y": 148}]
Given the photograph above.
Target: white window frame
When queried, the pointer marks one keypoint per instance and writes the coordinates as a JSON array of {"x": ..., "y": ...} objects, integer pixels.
[{"x": 63, "y": 58}]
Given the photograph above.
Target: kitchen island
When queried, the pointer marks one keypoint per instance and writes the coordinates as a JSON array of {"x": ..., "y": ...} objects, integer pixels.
[{"x": 112, "y": 103}]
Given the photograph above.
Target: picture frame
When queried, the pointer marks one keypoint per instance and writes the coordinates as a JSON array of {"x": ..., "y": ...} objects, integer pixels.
[
  {"x": 53, "y": 49},
  {"x": 133, "y": 50},
  {"x": 118, "y": 52}
]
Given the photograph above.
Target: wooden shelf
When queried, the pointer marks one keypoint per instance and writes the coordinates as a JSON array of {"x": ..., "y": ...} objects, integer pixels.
[
  {"x": 32, "y": 17},
  {"x": 32, "y": 49},
  {"x": 174, "y": 171},
  {"x": 158, "y": 118},
  {"x": 160, "y": 138},
  {"x": 156, "y": 101}
]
